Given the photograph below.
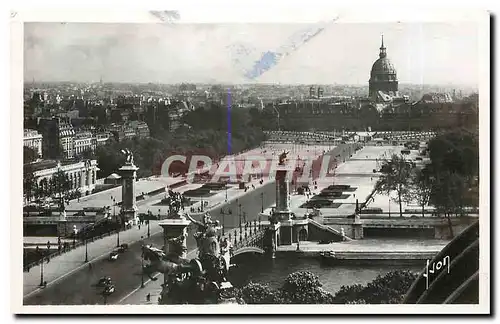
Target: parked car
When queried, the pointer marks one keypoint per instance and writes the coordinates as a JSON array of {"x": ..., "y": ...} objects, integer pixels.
[
  {"x": 104, "y": 281},
  {"x": 113, "y": 256}
]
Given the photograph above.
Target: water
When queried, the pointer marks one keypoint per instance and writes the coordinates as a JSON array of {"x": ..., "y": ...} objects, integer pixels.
[{"x": 274, "y": 271}]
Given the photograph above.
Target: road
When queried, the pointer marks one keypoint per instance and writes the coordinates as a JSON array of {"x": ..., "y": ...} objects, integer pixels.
[
  {"x": 79, "y": 287},
  {"x": 251, "y": 206}
]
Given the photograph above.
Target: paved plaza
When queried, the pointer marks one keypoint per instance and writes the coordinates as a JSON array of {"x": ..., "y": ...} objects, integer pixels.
[{"x": 357, "y": 172}]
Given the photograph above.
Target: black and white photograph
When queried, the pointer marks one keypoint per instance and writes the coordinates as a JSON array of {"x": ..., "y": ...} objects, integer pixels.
[{"x": 322, "y": 163}]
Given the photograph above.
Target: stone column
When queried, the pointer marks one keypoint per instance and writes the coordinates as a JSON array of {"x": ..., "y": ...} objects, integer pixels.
[
  {"x": 80, "y": 176},
  {"x": 129, "y": 207}
]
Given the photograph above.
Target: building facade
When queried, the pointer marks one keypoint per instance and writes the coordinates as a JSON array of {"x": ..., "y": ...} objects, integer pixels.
[
  {"x": 34, "y": 140},
  {"x": 82, "y": 175},
  {"x": 84, "y": 141},
  {"x": 58, "y": 137}
]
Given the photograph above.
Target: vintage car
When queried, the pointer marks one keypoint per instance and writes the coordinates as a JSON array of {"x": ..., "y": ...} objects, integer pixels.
[
  {"x": 113, "y": 256},
  {"x": 109, "y": 289},
  {"x": 104, "y": 281}
]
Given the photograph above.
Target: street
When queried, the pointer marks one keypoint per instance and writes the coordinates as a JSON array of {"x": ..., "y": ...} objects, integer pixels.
[
  {"x": 251, "y": 206},
  {"x": 79, "y": 287}
]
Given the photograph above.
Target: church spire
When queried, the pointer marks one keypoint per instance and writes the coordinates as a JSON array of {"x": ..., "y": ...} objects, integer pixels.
[{"x": 382, "y": 49}]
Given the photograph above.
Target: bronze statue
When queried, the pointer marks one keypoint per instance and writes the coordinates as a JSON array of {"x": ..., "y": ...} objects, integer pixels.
[
  {"x": 129, "y": 157},
  {"x": 198, "y": 281},
  {"x": 283, "y": 157}
]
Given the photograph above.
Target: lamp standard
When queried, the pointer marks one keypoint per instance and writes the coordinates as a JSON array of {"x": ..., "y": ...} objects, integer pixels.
[
  {"x": 116, "y": 219},
  {"x": 224, "y": 213},
  {"x": 150, "y": 214},
  {"x": 262, "y": 202},
  {"x": 86, "y": 250},
  {"x": 142, "y": 262},
  {"x": 41, "y": 269},
  {"x": 239, "y": 214},
  {"x": 75, "y": 231}
]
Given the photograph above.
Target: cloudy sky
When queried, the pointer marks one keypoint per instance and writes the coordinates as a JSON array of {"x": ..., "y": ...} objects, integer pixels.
[{"x": 429, "y": 53}]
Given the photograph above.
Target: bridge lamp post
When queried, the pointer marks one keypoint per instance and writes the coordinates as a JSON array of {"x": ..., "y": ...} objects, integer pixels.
[
  {"x": 142, "y": 262},
  {"x": 86, "y": 250},
  {"x": 149, "y": 232},
  {"x": 239, "y": 214},
  {"x": 224, "y": 213},
  {"x": 41, "y": 269},
  {"x": 262, "y": 202},
  {"x": 75, "y": 231},
  {"x": 116, "y": 219}
]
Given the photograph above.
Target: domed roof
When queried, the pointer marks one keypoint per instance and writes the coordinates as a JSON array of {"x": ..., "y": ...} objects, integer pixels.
[
  {"x": 383, "y": 69},
  {"x": 383, "y": 66}
]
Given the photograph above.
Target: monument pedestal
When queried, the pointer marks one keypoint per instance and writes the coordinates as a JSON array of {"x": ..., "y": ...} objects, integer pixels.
[
  {"x": 173, "y": 228},
  {"x": 357, "y": 228},
  {"x": 129, "y": 207}
]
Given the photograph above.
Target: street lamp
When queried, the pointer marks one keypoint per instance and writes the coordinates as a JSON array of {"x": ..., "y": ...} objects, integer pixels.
[
  {"x": 75, "y": 231},
  {"x": 142, "y": 262},
  {"x": 86, "y": 250},
  {"x": 239, "y": 214},
  {"x": 41, "y": 269},
  {"x": 116, "y": 219},
  {"x": 262, "y": 202},
  {"x": 224, "y": 213}
]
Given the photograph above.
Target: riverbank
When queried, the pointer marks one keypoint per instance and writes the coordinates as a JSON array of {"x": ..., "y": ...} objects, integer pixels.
[{"x": 368, "y": 250}]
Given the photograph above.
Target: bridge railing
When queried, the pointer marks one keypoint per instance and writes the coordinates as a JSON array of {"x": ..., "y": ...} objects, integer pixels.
[{"x": 249, "y": 234}]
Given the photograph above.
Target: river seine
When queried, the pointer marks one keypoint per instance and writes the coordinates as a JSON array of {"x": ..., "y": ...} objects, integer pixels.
[{"x": 274, "y": 271}]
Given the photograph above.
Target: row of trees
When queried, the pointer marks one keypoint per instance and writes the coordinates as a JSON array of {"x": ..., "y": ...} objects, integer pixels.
[
  {"x": 205, "y": 132},
  {"x": 450, "y": 182},
  {"x": 58, "y": 186},
  {"x": 304, "y": 287}
]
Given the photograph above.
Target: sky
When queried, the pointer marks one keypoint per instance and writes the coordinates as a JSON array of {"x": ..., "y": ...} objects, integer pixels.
[{"x": 342, "y": 53}]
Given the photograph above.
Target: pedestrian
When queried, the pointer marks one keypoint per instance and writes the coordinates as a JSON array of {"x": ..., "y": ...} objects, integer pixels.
[
  {"x": 148, "y": 297},
  {"x": 90, "y": 266}
]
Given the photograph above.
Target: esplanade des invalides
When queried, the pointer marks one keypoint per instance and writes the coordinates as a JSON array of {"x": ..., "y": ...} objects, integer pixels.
[{"x": 385, "y": 108}]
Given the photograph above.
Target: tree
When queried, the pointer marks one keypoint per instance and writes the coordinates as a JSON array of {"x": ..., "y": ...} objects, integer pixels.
[
  {"x": 387, "y": 289},
  {"x": 396, "y": 175},
  {"x": 29, "y": 182},
  {"x": 60, "y": 185},
  {"x": 29, "y": 154},
  {"x": 457, "y": 152},
  {"x": 257, "y": 293},
  {"x": 420, "y": 189},
  {"x": 304, "y": 287},
  {"x": 448, "y": 195}
]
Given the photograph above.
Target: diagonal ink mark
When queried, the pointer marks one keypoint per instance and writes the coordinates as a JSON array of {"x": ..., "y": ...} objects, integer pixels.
[
  {"x": 229, "y": 121},
  {"x": 168, "y": 16},
  {"x": 271, "y": 59}
]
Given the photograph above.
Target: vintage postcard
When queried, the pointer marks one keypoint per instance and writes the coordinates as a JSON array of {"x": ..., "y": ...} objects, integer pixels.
[{"x": 223, "y": 161}]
